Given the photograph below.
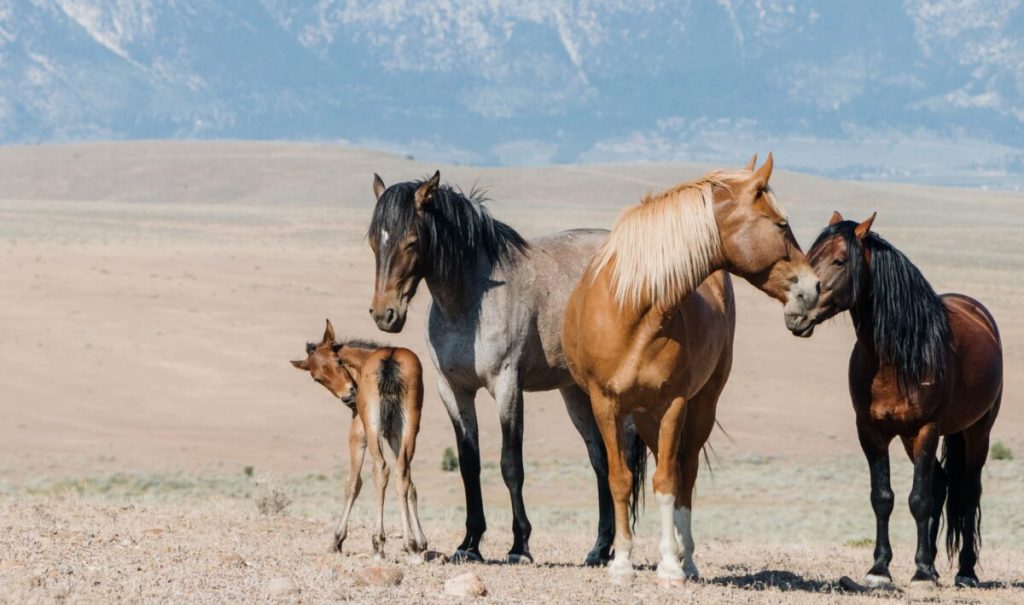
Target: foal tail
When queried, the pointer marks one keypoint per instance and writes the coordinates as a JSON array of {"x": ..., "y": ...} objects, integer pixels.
[
  {"x": 391, "y": 388},
  {"x": 636, "y": 460},
  {"x": 963, "y": 503}
]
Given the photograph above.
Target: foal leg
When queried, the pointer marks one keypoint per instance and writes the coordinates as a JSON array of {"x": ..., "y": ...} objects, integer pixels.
[
  {"x": 921, "y": 502},
  {"x": 582, "y": 415},
  {"x": 461, "y": 407},
  {"x": 665, "y": 486},
  {"x": 620, "y": 482},
  {"x": 412, "y": 429},
  {"x": 876, "y": 450},
  {"x": 356, "y": 452},
  {"x": 509, "y": 395},
  {"x": 394, "y": 458},
  {"x": 380, "y": 481}
]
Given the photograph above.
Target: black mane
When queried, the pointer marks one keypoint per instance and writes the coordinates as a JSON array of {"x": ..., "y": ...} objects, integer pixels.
[
  {"x": 354, "y": 343},
  {"x": 910, "y": 325},
  {"x": 455, "y": 229}
]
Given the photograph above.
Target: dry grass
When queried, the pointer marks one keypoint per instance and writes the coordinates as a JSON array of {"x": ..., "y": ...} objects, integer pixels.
[{"x": 153, "y": 538}]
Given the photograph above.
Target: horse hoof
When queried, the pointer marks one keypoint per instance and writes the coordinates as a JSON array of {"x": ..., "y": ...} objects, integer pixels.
[
  {"x": 599, "y": 557},
  {"x": 519, "y": 559},
  {"x": 966, "y": 582},
  {"x": 923, "y": 584},
  {"x": 876, "y": 581},
  {"x": 621, "y": 572},
  {"x": 467, "y": 556}
]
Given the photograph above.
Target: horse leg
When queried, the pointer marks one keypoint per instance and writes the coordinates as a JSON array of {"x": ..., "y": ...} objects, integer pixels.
[
  {"x": 876, "y": 450},
  {"x": 461, "y": 407},
  {"x": 356, "y": 452},
  {"x": 699, "y": 422},
  {"x": 620, "y": 483},
  {"x": 582, "y": 415},
  {"x": 939, "y": 485},
  {"x": 380, "y": 481},
  {"x": 408, "y": 450},
  {"x": 665, "y": 482},
  {"x": 394, "y": 458},
  {"x": 509, "y": 395},
  {"x": 924, "y": 445},
  {"x": 964, "y": 514}
]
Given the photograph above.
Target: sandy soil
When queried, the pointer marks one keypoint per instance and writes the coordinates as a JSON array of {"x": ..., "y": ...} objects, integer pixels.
[{"x": 153, "y": 294}]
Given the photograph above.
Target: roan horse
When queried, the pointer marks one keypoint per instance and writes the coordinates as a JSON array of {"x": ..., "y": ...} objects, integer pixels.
[
  {"x": 384, "y": 388},
  {"x": 649, "y": 331},
  {"x": 495, "y": 323},
  {"x": 924, "y": 366}
]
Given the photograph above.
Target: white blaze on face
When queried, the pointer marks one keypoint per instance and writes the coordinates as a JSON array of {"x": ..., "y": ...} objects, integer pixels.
[{"x": 384, "y": 237}]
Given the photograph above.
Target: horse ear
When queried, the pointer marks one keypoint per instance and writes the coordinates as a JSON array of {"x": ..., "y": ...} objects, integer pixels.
[
  {"x": 302, "y": 365},
  {"x": 752, "y": 163},
  {"x": 378, "y": 186},
  {"x": 764, "y": 172},
  {"x": 836, "y": 218},
  {"x": 425, "y": 192},
  {"x": 862, "y": 230},
  {"x": 329, "y": 333}
]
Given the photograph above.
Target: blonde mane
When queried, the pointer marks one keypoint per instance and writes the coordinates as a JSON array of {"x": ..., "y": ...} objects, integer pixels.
[{"x": 662, "y": 249}]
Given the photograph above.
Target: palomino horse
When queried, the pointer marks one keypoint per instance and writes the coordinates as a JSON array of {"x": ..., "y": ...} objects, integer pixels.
[
  {"x": 384, "y": 388},
  {"x": 495, "y": 323},
  {"x": 649, "y": 330},
  {"x": 924, "y": 366}
]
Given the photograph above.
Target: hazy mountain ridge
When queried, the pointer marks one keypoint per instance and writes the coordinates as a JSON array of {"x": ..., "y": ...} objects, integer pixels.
[{"x": 535, "y": 81}]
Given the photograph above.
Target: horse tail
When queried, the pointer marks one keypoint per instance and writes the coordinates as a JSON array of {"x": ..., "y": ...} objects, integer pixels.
[
  {"x": 636, "y": 460},
  {"x": 963, "y": 503},
  {"x": 391, "y": 389}
]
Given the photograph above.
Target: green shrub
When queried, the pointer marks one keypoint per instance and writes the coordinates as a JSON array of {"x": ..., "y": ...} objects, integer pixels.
[
  {"x": 999, "y": 451},
  {"x": 449, "y": 461}
]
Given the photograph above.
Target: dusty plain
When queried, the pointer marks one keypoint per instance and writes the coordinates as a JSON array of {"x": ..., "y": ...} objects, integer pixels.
[{"x": 152, "y": 293}]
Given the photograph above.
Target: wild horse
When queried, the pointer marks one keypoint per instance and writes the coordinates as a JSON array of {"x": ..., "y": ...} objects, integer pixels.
[
  {"x": 924, "y": 366},
  {"x": 495, "y": 323},
  {"x": 649, "y": 332}
]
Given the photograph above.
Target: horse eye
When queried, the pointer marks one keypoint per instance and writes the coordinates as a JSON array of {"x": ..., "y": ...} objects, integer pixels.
[
  {"x": 839, "y": 262},
  {"x": 782, "y": 224}
]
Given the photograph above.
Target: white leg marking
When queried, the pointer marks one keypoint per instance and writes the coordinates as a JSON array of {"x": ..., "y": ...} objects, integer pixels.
[
  {"x": 683, "y": 520},
  {"x": 668, "y": 568}
]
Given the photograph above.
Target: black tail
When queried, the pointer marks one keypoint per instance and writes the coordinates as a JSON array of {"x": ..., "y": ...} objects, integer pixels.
[
  {"x": 963, "y": 504},
  {"x": 391, "y": 388},
  {"x": 636, "y": 460}
]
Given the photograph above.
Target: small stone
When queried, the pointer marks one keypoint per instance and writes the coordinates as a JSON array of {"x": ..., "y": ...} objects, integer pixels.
[
  {"x": 281, "y": 587},
  {"x": 433, "y": 556},
  {"x": 467, "y": 585},
  {"x": 380, "y": 575},
  {"x": 234, "y": 560}
]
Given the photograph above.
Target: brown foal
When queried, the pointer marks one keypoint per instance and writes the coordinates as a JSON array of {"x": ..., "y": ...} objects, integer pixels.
[
  {"x": 649, "y": 331},
  {"x": 384, "y": 388}
]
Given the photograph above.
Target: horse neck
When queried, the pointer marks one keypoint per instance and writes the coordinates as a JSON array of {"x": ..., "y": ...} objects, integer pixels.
[{"x": 455, "y": 299}]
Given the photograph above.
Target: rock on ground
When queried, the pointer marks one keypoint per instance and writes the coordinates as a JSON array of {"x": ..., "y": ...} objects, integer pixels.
[{"x": 465, "y": 585}]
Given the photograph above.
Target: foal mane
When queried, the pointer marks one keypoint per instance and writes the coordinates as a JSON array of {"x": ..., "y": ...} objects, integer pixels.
[
  {"x": 910, "y": 325},
  {"x": 663, "y": 248},
  {"x": 455, "y": 228}
]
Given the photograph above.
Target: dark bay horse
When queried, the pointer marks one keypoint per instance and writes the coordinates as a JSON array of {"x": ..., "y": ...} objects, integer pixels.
[
  {"x": 383, "y": 386},
  {"x": 924, "y": 366},
  {"x": 649, "y": 331},
  {"x": 495, "y": 323}
]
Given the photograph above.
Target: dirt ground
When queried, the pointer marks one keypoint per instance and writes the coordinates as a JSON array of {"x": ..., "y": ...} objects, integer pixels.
[{"x": 153, "y": 293}]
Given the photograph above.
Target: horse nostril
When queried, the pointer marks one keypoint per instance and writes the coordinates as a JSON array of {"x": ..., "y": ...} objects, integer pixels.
[
  {"x": 817, "y": 287},
  {"x": 389, "y": 317},
  {"x": 371, "y": 310}
]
